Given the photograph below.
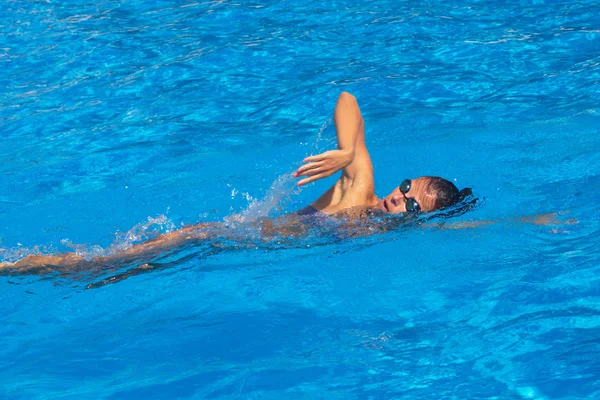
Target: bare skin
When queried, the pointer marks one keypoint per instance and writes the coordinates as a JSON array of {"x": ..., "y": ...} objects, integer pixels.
[
  {"x": 355, "y": 189},
  {"x": 351, "y": 195},
  {"x": 137, "y": 253}
]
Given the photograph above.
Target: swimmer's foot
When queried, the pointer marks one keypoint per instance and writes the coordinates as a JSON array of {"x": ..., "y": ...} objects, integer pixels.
[{"x": 42, "y": 263}]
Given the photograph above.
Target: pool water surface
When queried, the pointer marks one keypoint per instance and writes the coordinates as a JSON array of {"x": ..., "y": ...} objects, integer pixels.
[{"x": 120, "y": 120}]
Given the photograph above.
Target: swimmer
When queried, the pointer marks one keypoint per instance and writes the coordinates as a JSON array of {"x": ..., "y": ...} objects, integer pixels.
[
  {"x": 352, "y": 196},
  {"x": 354, "y": 192}
]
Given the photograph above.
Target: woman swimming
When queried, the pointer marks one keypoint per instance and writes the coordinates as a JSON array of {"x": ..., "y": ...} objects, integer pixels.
[{"x": 351, "y": 197}]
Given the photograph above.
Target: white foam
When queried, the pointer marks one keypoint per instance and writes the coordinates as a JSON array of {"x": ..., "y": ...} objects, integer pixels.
[
  {"x": 145, "y": 230},
  {"x": 275, "y": 201}
]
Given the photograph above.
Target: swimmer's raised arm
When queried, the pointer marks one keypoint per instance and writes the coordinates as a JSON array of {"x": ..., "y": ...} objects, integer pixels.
[{"x": 351, "y": 152}]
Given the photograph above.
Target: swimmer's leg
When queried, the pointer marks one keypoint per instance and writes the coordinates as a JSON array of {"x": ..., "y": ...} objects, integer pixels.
[
  {"x": 140, "y": 269},
  {"x": 42, "y": 264}
]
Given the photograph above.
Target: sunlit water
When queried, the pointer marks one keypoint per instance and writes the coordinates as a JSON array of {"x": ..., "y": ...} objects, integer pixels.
[{"x": 123, "y": 119}]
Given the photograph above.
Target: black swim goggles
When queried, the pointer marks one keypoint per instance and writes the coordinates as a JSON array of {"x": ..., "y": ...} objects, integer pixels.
[{"x": 411, "y": 204}]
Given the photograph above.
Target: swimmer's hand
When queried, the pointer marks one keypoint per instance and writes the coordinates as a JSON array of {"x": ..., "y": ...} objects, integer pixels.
[{"x": 323, "y": 165}]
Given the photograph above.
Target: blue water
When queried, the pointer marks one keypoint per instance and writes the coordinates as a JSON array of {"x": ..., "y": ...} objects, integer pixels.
[{"x": 123, "y": 119}]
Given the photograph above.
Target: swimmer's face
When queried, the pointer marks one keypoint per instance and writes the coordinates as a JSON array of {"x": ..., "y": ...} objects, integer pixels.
[{"x": 396, "y": 201}]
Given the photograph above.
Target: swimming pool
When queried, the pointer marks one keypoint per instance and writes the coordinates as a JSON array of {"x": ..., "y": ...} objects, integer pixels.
[{"x": 120, "y": 119}]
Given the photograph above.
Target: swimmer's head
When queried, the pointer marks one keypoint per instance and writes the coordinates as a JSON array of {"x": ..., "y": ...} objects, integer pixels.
[{"x": 424, "y": 194}]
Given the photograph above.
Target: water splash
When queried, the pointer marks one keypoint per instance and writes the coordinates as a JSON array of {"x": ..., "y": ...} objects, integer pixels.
[
  {"x": 83, "y": 250},
  {"x": 323, "y": 142},
  {"x": 283, "y": 188},
  {"x": 243, "y": 228},
  {"x": 272, "y": 204},
  {"x": 143, "y": 231},
  {"x": 12, "y": 255}
]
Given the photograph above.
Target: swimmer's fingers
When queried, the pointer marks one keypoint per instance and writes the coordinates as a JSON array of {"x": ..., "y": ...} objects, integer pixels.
[
  {"x": 326, "y": 163},
  {"x": 313, "y": 178},
  {"x": 318, "y": 157},
  {"x": 312, "y": 163},
  {"x": 307, "y": 169}
]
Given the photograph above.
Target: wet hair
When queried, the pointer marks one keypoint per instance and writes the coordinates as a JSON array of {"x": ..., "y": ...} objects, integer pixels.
[{"x": 447, "y": 195}]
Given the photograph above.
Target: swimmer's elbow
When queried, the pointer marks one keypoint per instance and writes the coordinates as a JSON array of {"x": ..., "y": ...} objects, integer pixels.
[{"x": 346, "y": 98}]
